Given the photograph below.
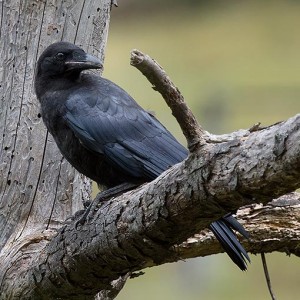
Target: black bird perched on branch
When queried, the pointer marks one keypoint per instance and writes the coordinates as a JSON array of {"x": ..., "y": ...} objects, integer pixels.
[{"x": 106, "y": 135}]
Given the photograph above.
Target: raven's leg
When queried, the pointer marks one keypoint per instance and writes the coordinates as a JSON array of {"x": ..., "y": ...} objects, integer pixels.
[{"x": 104, "y": 196}]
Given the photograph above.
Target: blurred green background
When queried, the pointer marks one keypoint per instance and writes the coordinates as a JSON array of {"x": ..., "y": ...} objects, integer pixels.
[{"x": 236, "y": 63}]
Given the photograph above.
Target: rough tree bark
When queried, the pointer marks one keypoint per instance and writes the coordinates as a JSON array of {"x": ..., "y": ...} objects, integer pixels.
[
  {"x": 38, "y": 188},
  {"x": 43, "y": 257}
]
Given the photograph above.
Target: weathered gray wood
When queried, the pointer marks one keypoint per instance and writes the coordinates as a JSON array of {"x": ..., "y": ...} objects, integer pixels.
[
  {"x": 38, "y": 188},
  {"x": 272, "y": 227}
]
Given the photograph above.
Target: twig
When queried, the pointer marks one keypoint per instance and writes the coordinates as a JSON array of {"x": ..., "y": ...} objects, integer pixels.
[
  {"x": 161, "y": 82},
  {"x": 114, "y": 2},
  {"x": 116, "y": 287},
  {"x": 264, "y": 262}
]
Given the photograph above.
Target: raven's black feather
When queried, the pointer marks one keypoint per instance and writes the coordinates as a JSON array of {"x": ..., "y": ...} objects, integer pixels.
[
  {"x": 129, "y": 137},
  {"x": 222, "y": 230},
  {"x": 106, "y": 135}
]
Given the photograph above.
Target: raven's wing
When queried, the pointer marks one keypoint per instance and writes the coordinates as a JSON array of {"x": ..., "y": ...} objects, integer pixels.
[{"x": 108, "y": 121}]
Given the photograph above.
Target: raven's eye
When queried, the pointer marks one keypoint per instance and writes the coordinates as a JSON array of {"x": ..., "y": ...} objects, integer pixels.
[{"x": 60, "y": 56}]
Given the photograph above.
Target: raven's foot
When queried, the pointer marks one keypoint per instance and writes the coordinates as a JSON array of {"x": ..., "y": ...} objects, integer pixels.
[
  {"x": 103, "y": 197},
  {"x": 88, "y": 208}
]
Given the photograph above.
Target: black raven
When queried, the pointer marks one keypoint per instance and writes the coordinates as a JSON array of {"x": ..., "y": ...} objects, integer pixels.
[{"x": 106, "y": 135}]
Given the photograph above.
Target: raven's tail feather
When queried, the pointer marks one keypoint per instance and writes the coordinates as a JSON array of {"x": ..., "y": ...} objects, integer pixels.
[{"x": 222, "y": 229}]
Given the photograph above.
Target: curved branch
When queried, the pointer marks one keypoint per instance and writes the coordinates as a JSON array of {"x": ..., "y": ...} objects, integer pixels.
[{"x": 161, "y": 82}]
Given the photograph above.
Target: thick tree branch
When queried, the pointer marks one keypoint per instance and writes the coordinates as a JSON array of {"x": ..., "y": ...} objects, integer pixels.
[{"x": 140, "y": 228}]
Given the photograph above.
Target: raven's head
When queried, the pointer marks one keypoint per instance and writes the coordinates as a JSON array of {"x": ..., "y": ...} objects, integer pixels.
[{"x": 65, "y": 59}]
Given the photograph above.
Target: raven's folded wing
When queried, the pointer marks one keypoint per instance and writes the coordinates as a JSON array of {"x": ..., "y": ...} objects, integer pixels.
[{"x": 110, "y": 122}]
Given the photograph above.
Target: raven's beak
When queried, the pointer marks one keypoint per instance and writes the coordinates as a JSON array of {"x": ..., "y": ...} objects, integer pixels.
[{"x": 82, "y": 62}]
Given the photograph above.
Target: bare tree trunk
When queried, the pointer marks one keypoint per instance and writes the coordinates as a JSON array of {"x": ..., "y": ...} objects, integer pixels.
[{"x": 38, "y": 188}]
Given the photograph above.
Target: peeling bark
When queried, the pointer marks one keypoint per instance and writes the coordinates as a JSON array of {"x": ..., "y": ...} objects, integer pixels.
[{"x": 272, "y": 227}]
